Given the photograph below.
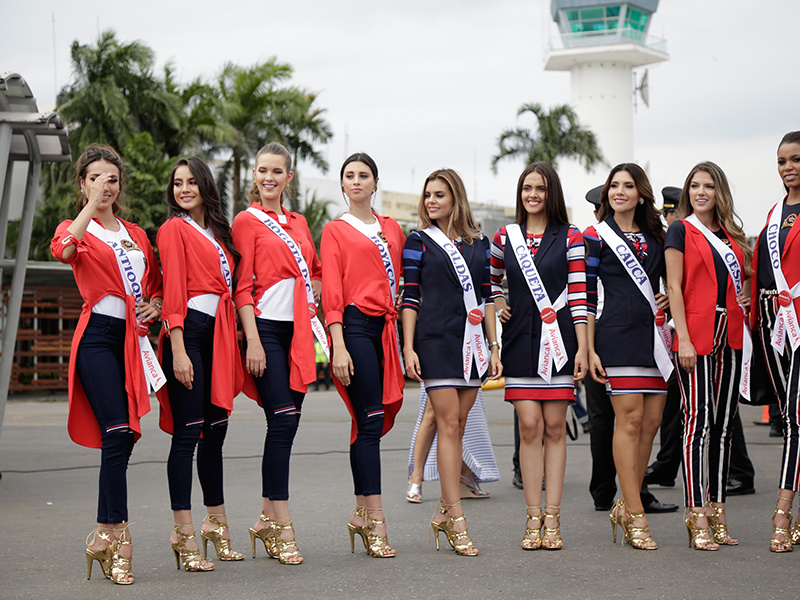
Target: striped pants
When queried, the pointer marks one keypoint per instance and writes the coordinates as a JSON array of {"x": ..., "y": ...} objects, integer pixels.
[
  {"x": 784, "y": 372},
  {"x": 709, "y": 399}
]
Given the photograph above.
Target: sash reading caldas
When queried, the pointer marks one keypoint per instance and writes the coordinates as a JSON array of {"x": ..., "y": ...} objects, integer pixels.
[
  {"x": 130, "y": 279},
  {"x": 786, "y": 320},
  {"x": 662, "y": 338},
  {"x": 735, "y": 272},
  {"x": 224, "y": 265},
  {"x": 274, "y": 227},
  {"x": 552, "y": 353},
  {"x": 474, "y": 345},
  {"x": 386, "y": 259}
]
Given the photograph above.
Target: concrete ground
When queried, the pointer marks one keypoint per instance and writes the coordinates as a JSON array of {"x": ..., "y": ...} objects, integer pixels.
[{"x": 48, "y": 504}]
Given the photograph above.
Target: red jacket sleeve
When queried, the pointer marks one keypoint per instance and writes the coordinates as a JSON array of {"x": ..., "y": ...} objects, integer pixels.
[
  {"x": 332, "y": 294},
  {"x": 244, "y": 239},
  {"x": 173, "y": 261}
]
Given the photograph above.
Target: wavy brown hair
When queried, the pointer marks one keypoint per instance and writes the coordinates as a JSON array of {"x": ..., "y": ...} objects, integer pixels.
[
  {"x": 555, "y": 210},
  {"x": 461, "y": 221},
  {"x": 723, "y": 207},
  {"x": 271, "y": 148},
  {"x": 646, "y": 216},
  {"x": 90, "y": 155}
]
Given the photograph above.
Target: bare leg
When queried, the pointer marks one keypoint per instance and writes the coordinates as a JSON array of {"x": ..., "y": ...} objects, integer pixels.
[{"x": 423, "y": 443}]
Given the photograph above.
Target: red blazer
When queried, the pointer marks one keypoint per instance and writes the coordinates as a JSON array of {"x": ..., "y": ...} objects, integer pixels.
[
  {"x": 699, "y": 289},
  {"x": 266, "y": 260},
  {"x": 191, "y": 268},
  {"x": 353, "y": 273},
  {"x": 790, "y": 264},
  {"x": 97, "y": 274}
]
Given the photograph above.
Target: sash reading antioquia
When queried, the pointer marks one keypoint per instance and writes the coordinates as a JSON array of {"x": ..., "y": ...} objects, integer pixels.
[
  {"x": 386, "y": 259},
  {"x": 786, "y": 323},
  {"x": 551, "y": 345},
  {"x": 662, "y": 338},
  {"x": 735, "y": 272},
  {"x": 152, "y": 370},
  {"x": 474, "y": 346},
  {"x": 274, "y": 227}
]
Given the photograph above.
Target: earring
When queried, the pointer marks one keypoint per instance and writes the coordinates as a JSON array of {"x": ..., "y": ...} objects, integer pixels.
[
  {"x": 83, "y": 191},
  {"x": 641, "y": 200}
]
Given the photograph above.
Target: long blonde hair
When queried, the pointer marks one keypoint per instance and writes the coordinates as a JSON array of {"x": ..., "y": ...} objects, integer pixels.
[
  {"x": 723, "y": 207},
  {"x": 461, "y": 221}
]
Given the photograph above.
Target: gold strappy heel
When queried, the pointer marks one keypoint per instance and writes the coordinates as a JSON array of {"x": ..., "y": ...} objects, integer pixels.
[
  {"x": 375, "y": 545},
  {"x": 120, "y": 568},
  {"x": 102, "y": 556},
  {"x": 782, "y": 545},
  {"x": 533, "y": 537},
  {"x": 699, "y": 537},
  {"x": 554, "y": 542},
  {"x": 719, "y": 529},
  {"x": 616, "y": 516},
  {"x": 637, "y": 537},
  {"x": 221, "y": 544},
  {"x": 192, "y": 559},
  {"x": 358, "y": 511},
  {"x": 286, "y": 552},
  {"x": 265, "y": 535},
  {"x": 456, "y": 538}
]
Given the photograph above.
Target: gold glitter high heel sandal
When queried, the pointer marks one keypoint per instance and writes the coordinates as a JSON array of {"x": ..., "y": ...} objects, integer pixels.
[
  {"x": 265, "y": 535},
  {"x": 192, "y": 559},
  {"x": 718, "y": 528},
  {"x": 616, "y": 515},
  {"x": 358, "y": 511},
  {"x": 287, "y": 551},
  {"x": 533, "y": 537},
  {"x": 699, "y": 537},
  {"x": 554, "y": 541},
  {"x": 119, "y": 570},
  {"x": 377, "y": 545},
  {"x": 456, "y": 538},
  {"x": 102, "y": 556},
  {"x": 784, "y": 543},
  {"x": 636, "y": 536},
  {"x": 216, "y": 536}
]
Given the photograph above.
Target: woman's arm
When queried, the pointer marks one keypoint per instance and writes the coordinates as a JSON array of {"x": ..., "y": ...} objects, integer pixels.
[
  {"x": 411, "y": 358},
  {"x": 687, "y": 356}
]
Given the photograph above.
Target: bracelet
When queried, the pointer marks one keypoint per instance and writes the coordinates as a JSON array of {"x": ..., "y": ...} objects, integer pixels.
[
  {"x": 157, "y": 304},
  {"x": 494, "y": 344}
]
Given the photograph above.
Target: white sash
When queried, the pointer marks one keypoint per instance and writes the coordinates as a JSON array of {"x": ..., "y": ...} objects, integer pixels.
[
  {"x": 662, "y": 342},
  {"x": 735, "y": 272},
  {"x": 274, "y": 227},
  {"x": 474, "y": 345},
  {"x": 551, "y": 343},
  {"x": 152, "y": 370},
  {"x": 386, "y": 259},
  {"x": 224, "y": 266},
  {"x": 786, "y": 320}
]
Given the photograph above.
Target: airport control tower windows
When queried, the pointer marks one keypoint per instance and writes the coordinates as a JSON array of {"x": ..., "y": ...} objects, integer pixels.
[{"x": 596, "y": 18}]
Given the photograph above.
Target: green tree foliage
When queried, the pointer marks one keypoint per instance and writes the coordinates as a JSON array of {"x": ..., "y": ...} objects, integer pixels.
[
  {"x": 558, "y": 134},
  {"x": 315, "y": 210}
]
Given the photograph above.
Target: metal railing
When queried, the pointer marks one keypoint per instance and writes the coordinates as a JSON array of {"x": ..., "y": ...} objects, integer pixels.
[{"x": 602, "y": 37}]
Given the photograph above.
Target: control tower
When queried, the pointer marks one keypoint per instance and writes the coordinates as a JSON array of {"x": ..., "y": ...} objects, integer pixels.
[{"x": 601, "y": 42}]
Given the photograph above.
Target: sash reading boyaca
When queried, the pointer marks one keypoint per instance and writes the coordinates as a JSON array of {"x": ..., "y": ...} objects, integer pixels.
[
  {"x": 274, "y": 227},
  {"x": 152, "y": 370},
  {"x": 386, "y": 259},
  {"x": 786, "y": 320},
  {"x": 474, "y": 346},
  {"x": 662, "y": 338},
  {"x": 735, "y": 272},
  {"x": 551, "y": 344}
]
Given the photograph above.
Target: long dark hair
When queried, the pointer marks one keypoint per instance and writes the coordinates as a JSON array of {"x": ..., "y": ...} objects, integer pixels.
[
  {"x": 793, "y": 137},
  {"x": 647, "y": 216},
  {"x": 555, "y": 210},
  {"x": 90, "y": 155},
  {"x": 215, "y": 218}
]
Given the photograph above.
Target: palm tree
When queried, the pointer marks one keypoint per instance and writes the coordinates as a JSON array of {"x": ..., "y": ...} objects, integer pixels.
[
  {"x": 315, "y": 210},
  {"x": 559, "y": 134}
]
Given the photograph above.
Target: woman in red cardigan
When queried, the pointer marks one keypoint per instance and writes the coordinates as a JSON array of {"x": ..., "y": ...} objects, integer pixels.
[
  {"x": 708, "y": 258},
  {"x": 276, "y": 295},
  {"x": 361, "y": 269},
  {"x": 199, "y": 352},
  {"x": 112, "y": 365}
]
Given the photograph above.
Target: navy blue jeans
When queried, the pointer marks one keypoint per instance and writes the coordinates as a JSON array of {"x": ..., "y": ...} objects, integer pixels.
[
  {"x": 281, "y": 406},
  {"x": 362, "y": 338},
  {"x": 100, "y": 364},
  {"x": 193, "y": 414}
]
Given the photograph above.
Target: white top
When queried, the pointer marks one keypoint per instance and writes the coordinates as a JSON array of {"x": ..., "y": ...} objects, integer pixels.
[
  {"x": 277, "y": 302},
  {"x": 114, "y": 306}
]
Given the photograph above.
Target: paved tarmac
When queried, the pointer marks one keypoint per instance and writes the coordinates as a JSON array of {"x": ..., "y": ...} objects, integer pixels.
[{"x": 48, "y": 504}]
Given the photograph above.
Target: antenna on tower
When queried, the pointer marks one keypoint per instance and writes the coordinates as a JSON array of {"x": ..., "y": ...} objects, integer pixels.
[{"x": 644, "y": 91}]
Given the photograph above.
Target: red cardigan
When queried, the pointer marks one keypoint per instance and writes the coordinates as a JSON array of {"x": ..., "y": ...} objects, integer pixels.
[
  {"x": 266, "y": 260},
  {"x": 353, "y": 273},
  {"x": 699, "y": 289},
  {"x": 191, "y": 268},
  {"x": 97, "y": 275}
]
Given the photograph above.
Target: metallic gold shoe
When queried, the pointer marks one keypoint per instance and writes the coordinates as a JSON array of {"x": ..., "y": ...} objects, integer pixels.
[
  {"x": 796, "y": 533},
  {"x": 782, "y": 545},
  {"x": 719, "y": 529},
  {"x": 102, "y": 556},
  {"x": 377, "y": 545},
  {"x": 699, "y": 537},
  {"x": 358, "y": 511},
  {"x": 456, "y": 538},
  {"x": 637, "y": 537},
  {"x": 616, "y": 515},
  {"x": 192, "y": 559},
  {"x": 120, "y": 568},
  {"x": 265, "y": 535},
  {"x": 287, "y": 552},
  {"x": 554, "y": 542},
  {"x": 533, "y": 538},
  {"x": 216, "y": 536}
]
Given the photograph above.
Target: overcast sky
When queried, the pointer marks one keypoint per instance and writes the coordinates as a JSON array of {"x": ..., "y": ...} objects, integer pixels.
[{"x": 420, "y": 85}]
